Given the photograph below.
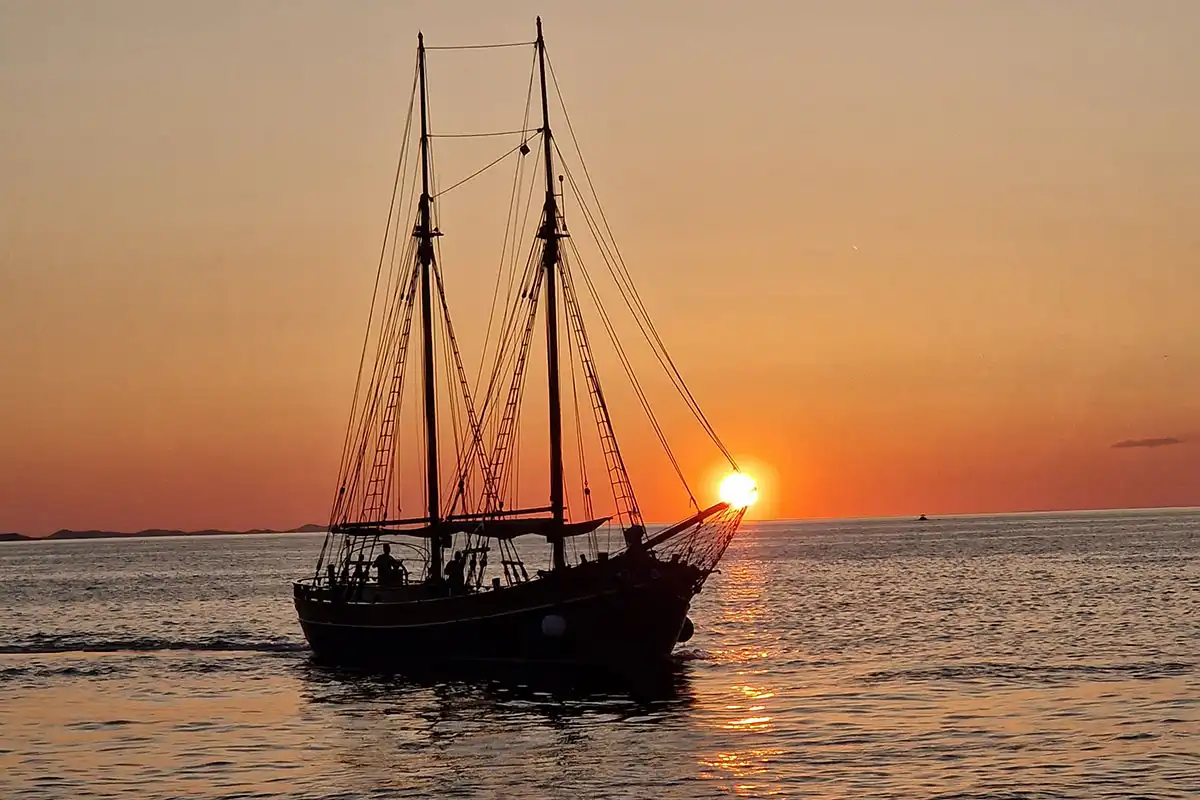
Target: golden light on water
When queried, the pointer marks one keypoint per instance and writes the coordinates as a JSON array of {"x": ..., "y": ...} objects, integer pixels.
[{"x": 739, "y": 490}]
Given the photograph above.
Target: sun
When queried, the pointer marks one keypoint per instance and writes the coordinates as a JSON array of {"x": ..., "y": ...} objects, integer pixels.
[{"x": 739, "y": 490}]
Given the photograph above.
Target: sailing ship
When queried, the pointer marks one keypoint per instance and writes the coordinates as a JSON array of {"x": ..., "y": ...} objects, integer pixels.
[{"x": 613, "y": 590}]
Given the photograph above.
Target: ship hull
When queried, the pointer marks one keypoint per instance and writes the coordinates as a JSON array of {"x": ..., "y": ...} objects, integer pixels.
[{"x": 612, "y": 613}]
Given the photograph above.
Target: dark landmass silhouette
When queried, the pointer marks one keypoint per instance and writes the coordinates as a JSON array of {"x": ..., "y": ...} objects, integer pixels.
[
  {"x": 150, "y": 533},
  {"x": 1165, "y": 441}
]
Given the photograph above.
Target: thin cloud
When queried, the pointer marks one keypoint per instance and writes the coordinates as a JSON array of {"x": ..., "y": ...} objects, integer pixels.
[{"x": 1165, "y": 441}]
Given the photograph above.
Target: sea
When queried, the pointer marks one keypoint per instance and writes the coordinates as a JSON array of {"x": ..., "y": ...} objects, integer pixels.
[{"x": 1017, "y": 656}]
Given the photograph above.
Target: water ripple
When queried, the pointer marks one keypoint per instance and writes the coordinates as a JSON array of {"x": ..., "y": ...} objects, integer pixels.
[
  {"x": 1033, "y": 673},
  {"x": 39, "y": 643},
  {"x": 1023, "y": 657}
]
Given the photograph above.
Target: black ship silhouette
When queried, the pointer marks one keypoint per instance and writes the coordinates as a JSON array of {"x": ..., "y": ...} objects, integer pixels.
[{"x": 612, "y": 591}]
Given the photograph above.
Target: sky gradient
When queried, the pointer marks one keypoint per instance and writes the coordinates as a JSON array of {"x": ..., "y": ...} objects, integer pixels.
[{"x": 913, "y": 257}]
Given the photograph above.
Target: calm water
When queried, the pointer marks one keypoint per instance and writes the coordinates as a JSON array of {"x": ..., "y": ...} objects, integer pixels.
[{"x": 1020, "y": 656}]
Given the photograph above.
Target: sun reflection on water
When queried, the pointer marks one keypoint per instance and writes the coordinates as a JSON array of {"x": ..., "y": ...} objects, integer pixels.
[
  {"x": 740, "y": 765},
  {"x": 756, "y": 719},
  {"x": 744, "y": 710},
  {"x": 744, "y": 717}
]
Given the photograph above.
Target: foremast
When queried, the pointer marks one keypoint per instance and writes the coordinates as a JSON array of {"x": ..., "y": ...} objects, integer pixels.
[
  {"x": 424, "y": 234},
  {"x": 550, "y": 233}
]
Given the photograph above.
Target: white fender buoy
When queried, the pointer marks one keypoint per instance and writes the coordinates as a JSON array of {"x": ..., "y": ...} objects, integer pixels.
[
  {"x": 553, "y": 625},
  {"x": 687, "y": 630}
]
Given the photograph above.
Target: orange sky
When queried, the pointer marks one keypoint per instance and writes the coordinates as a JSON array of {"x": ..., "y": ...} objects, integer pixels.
[{"x": 913, "y": 257}]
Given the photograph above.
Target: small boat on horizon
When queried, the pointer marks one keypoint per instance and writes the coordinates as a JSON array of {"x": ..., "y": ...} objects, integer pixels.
[{"x": 612, "y": 590}]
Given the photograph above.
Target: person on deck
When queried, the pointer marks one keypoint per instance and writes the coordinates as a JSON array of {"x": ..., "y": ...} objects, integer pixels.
[
  {"x": 385, "y": 566},
  {"x": 454, "y": 573},
  {"x": 635, "y": 539}
]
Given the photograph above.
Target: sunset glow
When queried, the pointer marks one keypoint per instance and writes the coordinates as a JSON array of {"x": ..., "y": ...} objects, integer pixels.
[
  {"x": 931, "y": 312},
  {"x": 739, "y": 490}
]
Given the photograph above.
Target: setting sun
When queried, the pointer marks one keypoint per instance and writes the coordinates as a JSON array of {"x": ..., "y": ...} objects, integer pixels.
[{"x": 739, "y": 490}]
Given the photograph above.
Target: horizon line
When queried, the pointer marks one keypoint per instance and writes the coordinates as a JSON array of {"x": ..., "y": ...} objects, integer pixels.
[
  {"x": 964, "y": 514},
  {"x": 934, "y": 516}
]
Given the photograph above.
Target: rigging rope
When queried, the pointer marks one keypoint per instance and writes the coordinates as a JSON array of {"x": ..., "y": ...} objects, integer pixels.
[
  {"x": 669, "y": 365},
  {"x": 587, "y": 492},
  {"x": 347, "y": 449},
  {"x": 480, "y": 46},
  {"x": 624, "y": 359},
  {"x": 392, "y": 211},
  {"x": 350, "y": 472},
  {"x": 509, "y": 222},
  {"x": 476, "y": 442},
  {"x": 531, "y": 280},
  {"x": 480, "y": 171},
  {"x": 645, "y": 325},
  {"x": 482, "y": 135}
]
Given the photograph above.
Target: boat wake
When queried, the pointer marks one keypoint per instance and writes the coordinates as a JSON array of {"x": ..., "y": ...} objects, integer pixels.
[{"x": 43, "y": 644}]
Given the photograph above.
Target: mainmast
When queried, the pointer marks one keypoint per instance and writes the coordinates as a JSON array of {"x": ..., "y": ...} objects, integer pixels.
[
  {"x": 549, "y": 234},
  {"x": 424, "y": 234}
]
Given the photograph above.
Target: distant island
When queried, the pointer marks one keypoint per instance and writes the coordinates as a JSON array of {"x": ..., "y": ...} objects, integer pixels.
[{"x": 150, "y": 532}]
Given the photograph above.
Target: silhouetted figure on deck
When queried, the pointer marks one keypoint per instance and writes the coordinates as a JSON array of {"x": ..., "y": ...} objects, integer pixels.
[
  {"x": 454, "y": 573},
  {"x": 634, "y": 543},
  {"x": 387, "y": 568}
]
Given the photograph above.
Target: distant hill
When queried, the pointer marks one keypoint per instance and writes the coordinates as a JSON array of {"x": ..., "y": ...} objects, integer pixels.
[{"x": 150, "y": 532}]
